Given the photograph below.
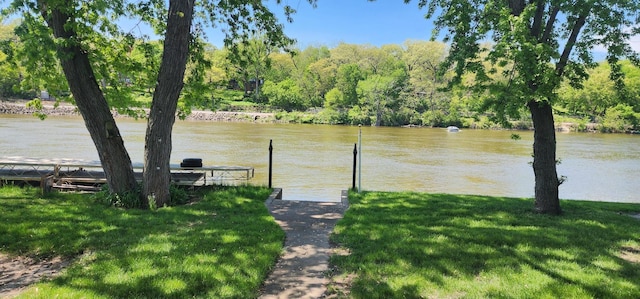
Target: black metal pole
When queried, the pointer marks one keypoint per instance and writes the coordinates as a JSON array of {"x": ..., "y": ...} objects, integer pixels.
[
  {"x": 355, "y": 155},
  {"x": 270, "y": 160}
]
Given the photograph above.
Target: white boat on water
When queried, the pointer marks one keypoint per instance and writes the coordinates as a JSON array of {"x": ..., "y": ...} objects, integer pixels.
[{"x": 453, "y": 129}]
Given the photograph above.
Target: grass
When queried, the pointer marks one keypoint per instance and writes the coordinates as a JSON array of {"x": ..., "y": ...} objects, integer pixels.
[
  {"x": 220, "y": 247},
  {"x": 414, "y": 245}
]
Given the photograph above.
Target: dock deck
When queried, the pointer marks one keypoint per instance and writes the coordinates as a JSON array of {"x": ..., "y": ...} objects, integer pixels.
[{"x": 89, "y": 175}]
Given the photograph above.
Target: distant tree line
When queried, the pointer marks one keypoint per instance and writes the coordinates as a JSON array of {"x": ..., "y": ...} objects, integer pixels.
[{"x": 391, "y": 85}]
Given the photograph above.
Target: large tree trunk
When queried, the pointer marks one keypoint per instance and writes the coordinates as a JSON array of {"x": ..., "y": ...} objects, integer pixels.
[
  {"x": 93, "y": 106},
  {"x": 544, "y": 159},
  {"x": 157, "y": 150}
]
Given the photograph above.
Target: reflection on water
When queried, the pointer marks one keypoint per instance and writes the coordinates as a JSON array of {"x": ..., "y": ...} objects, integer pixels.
[{"x": 315, "y": 162}]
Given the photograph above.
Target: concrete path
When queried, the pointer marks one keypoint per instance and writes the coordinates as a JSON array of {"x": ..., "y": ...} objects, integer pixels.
[{"x": 300, "y": 272}]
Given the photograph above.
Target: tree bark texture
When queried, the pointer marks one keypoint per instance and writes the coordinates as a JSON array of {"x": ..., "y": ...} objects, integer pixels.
[
  {"x": 544, "y": 159},
  {"x": 157, "y": 151},
  {"x": 93, "y": 106},
  {"x": 544, "y": 140}
]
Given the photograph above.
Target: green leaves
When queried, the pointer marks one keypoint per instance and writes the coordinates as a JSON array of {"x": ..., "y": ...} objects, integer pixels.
[
  {"x": 124, "y": 59},
  {"x": 532, "y": 45},
  {"x": 285, "y": 94}
]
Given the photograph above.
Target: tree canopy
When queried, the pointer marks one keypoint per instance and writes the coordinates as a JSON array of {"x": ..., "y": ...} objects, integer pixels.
[
  {"x": 314, "y": 69},
  {"x": 84, "y": 42},
  {"x": 534, "y": 46}
]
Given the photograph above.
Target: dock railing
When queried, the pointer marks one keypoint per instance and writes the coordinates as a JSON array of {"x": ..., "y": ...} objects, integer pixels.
[{"x": 89, "y": 175}]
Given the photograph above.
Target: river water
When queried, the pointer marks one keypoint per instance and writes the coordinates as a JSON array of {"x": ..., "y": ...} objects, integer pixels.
[{"x": 314, "y": 162}]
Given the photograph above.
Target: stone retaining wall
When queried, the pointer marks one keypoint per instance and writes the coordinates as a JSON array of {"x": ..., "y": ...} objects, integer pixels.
[{"x": 19, "y": 107}]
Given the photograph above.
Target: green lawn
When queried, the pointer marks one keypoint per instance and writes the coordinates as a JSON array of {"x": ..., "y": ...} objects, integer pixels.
[
  {"x": 413, "y": 245},
  {"x": 220, "y": 247}
]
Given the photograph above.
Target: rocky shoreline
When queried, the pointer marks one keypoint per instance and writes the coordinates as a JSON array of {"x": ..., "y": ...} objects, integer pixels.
[
  {"x": 65, "y": 109},
  {"x": 19, "y": 107}
]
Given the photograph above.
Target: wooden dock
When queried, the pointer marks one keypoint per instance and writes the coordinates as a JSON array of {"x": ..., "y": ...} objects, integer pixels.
[{"x": 77, "y": 174}]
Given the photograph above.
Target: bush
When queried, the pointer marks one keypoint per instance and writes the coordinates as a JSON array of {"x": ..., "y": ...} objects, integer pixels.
[
  {"x": 179, "y": 195},
  {"x": 332, "y": 116},
  {"x": 619, "y": 119},
  {"x": 132, "y": 199},
  {"x": 478, "y": 122},
  {"x": 400, "y": 117},
  {"x": 296, "y": 117},
  {"x": 433, "y": 118},
  {"x": 284, "y": 95},
  {"x": 10, "y": 82},
  {"x": 358, "y": 116}
]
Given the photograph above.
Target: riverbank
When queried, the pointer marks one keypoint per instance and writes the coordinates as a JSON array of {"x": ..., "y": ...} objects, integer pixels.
[{"x": 50, "y": 108}]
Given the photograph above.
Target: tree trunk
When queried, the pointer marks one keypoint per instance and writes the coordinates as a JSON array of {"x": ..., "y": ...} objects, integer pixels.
[
  {"x": 257, "y": 90},
  {"x": 157, "y": 150},
  {"x": 378, "y": 114},
  {"x": 93, "y": 106},
  {"x": 544, "y": 159}
]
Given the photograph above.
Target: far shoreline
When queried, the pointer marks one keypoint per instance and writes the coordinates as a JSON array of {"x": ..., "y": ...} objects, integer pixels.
[
  {"x": 19, "y": 107},
  {"x": 49, "y": 108}
]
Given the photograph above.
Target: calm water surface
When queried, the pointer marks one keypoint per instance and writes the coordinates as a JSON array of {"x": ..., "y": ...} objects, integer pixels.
[{"x": 314, "y": 162}]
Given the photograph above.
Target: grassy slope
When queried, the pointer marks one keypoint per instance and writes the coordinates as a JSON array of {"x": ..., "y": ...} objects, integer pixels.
[
  {"x": 220, "y": 247},
  {"x": 412, "y": 245}
]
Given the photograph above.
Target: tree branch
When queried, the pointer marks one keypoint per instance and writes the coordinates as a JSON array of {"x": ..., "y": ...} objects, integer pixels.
[
  {"x": 517, "y": 6},
  {"x": 549, "y": 27},
  {"x": 536, "y": 27},
  {"x": 568, "y": 47},
  {"x": 55, "y": 20}
]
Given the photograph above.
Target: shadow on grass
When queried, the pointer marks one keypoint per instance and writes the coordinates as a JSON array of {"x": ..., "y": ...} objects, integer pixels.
[
  {"x": 222, "y": 246},
  {"x": 407, "y": 245}
]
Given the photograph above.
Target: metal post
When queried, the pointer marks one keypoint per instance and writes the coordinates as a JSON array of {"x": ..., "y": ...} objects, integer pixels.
[
  {"x": 355, "y": 154},
  {"x": 270, "y": 160},
  {"x": 360, "y": 158}
]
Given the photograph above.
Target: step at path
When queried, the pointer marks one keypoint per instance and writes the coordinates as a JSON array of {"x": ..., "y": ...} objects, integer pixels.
[{"x": 300, "y": 272}]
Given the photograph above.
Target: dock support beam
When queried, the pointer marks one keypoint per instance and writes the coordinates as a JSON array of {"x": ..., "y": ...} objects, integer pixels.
[
  {"x": 355, "y": 156},
  {"x": 270, "y": 161}
]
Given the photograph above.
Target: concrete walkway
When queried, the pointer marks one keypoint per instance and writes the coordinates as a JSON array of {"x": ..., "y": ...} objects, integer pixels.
[{"x": 300, "y": 272}]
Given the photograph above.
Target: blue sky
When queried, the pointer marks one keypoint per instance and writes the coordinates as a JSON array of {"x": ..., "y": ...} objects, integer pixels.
[
  {"x": 360, "y": 22},
  {"x": 351, "y": 21}
]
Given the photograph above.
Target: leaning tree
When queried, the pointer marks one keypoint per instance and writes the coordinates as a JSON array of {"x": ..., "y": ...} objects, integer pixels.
[
  {"x": 94, "y": 51},
  {"x": 519, "y": 51}
]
